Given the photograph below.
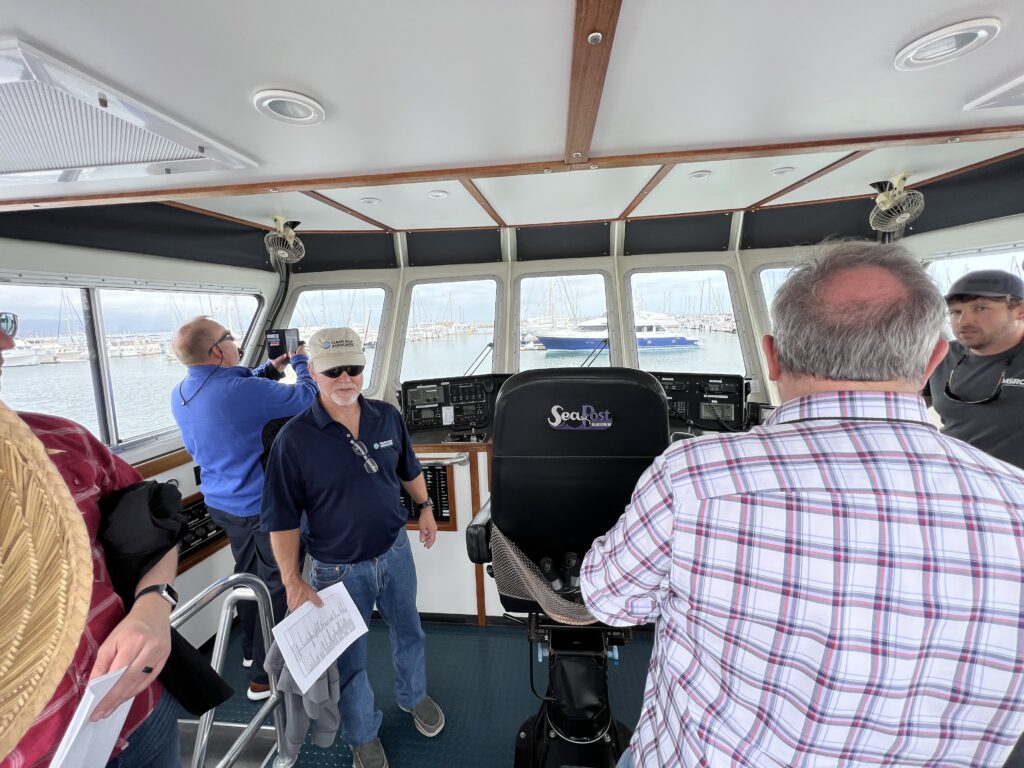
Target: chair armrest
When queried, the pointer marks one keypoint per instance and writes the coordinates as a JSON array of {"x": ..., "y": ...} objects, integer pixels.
[{"x": 478, "y": 535}]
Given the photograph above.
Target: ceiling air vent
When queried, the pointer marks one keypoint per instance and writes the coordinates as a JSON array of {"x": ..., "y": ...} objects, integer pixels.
[
  {"x": 1010, "y": 94},
  {"x": 59, "y": 124}
]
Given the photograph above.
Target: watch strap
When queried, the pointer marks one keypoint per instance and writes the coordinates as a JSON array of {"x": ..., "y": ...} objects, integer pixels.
[
  {"x": 166, "y": 591},
  {"x": 424, "y": 504}
]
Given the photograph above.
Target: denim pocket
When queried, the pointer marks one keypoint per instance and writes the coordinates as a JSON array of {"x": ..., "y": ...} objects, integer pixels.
[
  {"x": 402, "y": 542},
  {"x": 326, "y": 574}
]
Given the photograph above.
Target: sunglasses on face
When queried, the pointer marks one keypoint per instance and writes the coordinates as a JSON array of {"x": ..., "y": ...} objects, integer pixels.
[
  {"x": 226, "y": 337},
  {"x": 336, "y": 371},
  {"x": 9, "y": 323},
  {"x": 360, "y": 450}
]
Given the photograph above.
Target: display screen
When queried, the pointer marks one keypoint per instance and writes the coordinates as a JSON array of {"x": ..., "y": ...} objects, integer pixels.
[
  {"x": 713, "y": 411},
  {"x": 424, "y": 396}
]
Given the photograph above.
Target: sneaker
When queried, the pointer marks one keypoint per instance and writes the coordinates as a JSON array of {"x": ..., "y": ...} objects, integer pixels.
[
  {"x": 246, "y": 663},
  {"x": 427, "y": 716},
  {"x": 258, "y": 691},
  {"x": 369, "y": 755}
]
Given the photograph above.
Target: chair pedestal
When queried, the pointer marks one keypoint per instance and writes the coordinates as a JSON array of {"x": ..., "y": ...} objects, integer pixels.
[{"x": 574, "y": 725}]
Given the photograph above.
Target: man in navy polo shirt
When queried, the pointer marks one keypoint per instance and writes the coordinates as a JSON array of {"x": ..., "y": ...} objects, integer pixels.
[{"x": 334, "y": 481}]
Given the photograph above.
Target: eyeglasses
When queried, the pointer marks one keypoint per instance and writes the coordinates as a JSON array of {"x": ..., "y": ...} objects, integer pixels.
[
  {"x": 948, "y": 391},
  {"x": 360, "y": 450},
  {"x": 9, "y": 323},
  {"x": 336, "y": 371},
  {"x": 226, "y": 337}
]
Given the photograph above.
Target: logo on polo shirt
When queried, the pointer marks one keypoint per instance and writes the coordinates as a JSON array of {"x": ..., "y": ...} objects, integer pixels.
[
  {"x": 1013, "y": 382},
  {"x": 383, "y": 444}
]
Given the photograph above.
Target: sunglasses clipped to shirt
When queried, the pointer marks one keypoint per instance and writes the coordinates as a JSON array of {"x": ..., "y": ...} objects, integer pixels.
[
  {"x": 336, "y": 371},
  {"x": 9, "y": 323},
  {"x": 948, "y": 390}
]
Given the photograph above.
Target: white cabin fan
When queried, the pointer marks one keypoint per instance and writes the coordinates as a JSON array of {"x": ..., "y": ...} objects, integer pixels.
[
  {"x": 283, "y": 244},
  {"x": 895, "y": 207}
]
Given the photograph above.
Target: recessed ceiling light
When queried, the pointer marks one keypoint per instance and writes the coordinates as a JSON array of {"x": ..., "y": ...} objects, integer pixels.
[
  {"x": 782, "y": 170},
  {"x": 947, "y": 44},
  {"x": 594, "y": 167},
  {"x": 953, "y": 140},
  {"x": 289, "y": 107},
  {"x": 703, "y": 174},
  {"x": 547, "y": 170},
  {"x": 437, "y": 194},
  {"x": 369, "y": 200}
]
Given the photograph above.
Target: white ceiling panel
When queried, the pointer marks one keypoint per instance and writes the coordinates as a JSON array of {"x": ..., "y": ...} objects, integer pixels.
[
  {"x": 409, "y": 206},
  {"x": 921, "y": 163},
  {"x": 733, "y": 184},
  {"x": 688, "y": 75},
  {"x": 294, "y": 206},
  {"x": 590, "y": 195}
]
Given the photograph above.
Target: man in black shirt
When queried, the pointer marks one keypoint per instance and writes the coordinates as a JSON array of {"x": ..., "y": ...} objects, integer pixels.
[{"x": 978, "y": 389}]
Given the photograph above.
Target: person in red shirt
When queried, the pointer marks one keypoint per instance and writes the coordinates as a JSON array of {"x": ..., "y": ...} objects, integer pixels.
[{"x": 138, "y": 639}]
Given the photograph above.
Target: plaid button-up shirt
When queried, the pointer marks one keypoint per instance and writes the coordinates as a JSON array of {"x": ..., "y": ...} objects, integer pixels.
[
  {"x": 840, "y": 587},
  {"x": 90, "y": 471}
]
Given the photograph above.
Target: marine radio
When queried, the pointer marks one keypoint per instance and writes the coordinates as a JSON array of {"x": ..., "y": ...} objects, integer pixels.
[
  {"x": 460, "y": 406},
  {"x": 707, "y": 401}
]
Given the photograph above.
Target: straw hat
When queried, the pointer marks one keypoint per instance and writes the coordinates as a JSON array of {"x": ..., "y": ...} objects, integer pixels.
[{"x": 45, "y": 578}]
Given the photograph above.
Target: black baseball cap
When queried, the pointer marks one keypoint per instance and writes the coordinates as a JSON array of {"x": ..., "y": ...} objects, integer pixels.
[{"x": 990, "y": 283}]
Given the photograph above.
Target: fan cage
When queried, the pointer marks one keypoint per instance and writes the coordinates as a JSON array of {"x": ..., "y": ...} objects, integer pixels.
[
  {"x": 898, "y": 215},
  {"x": 279, "y": 248}
]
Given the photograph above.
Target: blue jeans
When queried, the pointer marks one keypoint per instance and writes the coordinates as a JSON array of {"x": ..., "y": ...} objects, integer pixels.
[
  {"x": 251, "y": 550},
  {"x": 390, "y": 580},
  {"x": 155, "y": 743}
]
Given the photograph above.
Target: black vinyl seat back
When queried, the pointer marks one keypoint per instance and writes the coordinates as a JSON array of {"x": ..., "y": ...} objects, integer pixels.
[{"x": 569, "y": 447}]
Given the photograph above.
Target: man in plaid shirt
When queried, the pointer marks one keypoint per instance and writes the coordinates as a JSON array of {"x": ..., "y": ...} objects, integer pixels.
[{"x": 839, "y": 587}]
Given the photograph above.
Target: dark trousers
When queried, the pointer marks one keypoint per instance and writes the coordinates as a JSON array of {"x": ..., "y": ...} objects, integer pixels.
[{"x": 252, "y": 552}]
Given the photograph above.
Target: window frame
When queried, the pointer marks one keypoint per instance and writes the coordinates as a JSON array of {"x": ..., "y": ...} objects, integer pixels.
[
  {"x": 375, "y": 385},
  {"x": 751, "y": 370},
  {"x": 157, "y": 441},
  {"x": 611, "y": 310},
  {"x": 404, "y": 310}
]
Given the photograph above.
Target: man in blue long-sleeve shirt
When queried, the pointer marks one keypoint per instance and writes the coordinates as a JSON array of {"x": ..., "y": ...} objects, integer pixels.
[{"x": 221, "y": 408}]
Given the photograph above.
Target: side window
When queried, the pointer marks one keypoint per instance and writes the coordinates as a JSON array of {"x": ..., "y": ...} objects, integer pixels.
[
  {"x": 563, "y": 321},
  {"x": 138, "y": 325},
  {"x": 685, "y": 322},
  {"x": 771, "y": 280},
  {"x": 946, "y": 270},
  {"x": 358, "y": 308},
  {"x": 48, "y": 370},
  {"x": 451, "y": 329}
]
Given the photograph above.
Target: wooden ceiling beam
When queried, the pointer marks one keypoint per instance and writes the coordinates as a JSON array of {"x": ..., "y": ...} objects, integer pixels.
[
  {"x": 656, "y": 179},
  {"x": 593, "y": 34},
  {"x": 217, "y": 215},
  {"x": 808, "y": 179},
  {"x": 851, "y": 144},
  {"x": 482, "y": 201},
  {"x": 345, "y": 209}
]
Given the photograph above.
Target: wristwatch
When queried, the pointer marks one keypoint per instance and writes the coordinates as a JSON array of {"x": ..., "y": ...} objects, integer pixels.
[
  {"x": 421, "y": 505},
  {"x": 166, "y": 591}
]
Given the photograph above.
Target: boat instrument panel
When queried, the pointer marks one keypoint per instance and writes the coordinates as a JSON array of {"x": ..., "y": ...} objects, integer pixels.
[
  {"x": 453, "y": 409},
  {"x": 709, "y": 402}
]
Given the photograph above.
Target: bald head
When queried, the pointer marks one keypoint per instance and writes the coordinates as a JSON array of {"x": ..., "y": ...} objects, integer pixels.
[
  {"x": 858, "y": 312},
  {"x": 194, "y": 343}
]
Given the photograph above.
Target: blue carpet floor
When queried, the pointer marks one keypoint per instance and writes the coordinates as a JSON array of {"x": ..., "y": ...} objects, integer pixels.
[{"x": 479, "y": 677}]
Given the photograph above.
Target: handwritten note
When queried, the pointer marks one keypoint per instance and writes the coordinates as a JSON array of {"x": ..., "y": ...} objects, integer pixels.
[{"x": 312, "y": 638}]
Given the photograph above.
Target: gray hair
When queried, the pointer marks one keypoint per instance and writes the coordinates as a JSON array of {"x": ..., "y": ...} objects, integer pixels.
[{"x": 860, "y": 340}]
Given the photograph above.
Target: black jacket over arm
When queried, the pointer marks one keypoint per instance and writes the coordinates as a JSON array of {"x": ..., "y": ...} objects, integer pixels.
[{"x": 138, "y": 526}]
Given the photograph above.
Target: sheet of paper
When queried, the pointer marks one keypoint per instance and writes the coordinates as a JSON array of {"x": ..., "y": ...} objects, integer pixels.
[
  {"x": 87, "y": 744},
  {"x": 447, "y": 415},
  {"x": 312, "y": 638}
]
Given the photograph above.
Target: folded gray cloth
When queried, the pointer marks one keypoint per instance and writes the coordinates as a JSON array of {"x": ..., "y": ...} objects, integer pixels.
[{"x": 319, "y": 704}]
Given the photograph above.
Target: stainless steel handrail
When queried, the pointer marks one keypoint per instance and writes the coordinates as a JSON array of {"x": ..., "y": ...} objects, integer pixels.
[{"x": 239, "y": 586}]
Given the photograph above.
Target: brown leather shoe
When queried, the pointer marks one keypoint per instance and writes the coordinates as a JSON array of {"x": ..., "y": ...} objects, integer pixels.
[{"x": 258, "y": 691}]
